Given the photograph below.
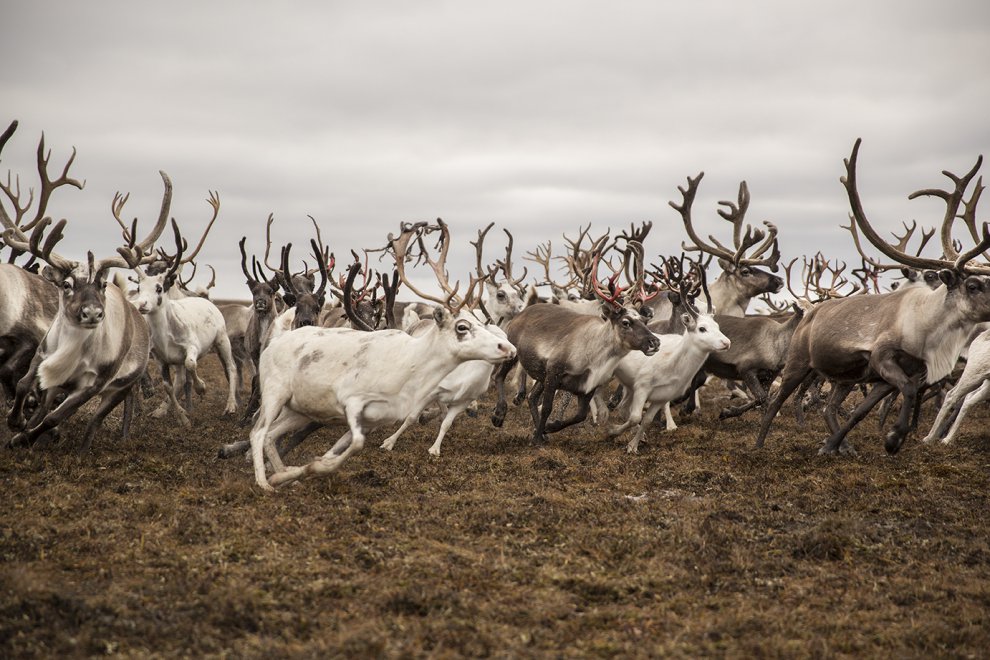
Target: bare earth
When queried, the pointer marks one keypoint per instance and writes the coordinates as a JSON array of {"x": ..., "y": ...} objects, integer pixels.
[{"x": 698, "y": 545}]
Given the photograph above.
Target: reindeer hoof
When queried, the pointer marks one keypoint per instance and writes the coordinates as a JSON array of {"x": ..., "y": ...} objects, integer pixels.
[
  {"x": 516, "y": 400},
  {"x": 893, "y": 442}
]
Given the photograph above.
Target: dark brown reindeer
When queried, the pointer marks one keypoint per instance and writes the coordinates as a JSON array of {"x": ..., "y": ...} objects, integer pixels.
[
  {"x": 896, "y": 340},
  {"x": 562, "y": 349}
]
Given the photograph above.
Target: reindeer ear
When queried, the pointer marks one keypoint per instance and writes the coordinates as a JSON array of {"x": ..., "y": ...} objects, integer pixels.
[
  {"x": 949, "y": 278},
  {"x": 726, "y": 265},
  {"x": 289, "y": 299},
  {"x": 51, "y": 275},
  {"x": 440, "y": 315}
]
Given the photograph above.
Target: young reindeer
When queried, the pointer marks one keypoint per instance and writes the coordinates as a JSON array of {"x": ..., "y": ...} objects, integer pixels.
[
  {"x": 98, "y": 343},
  {"x": 366, "y": 378},
  {"x": 656, "y": 380},
  {"x": 183, "y": 330},
  {"x": 571, "y": 351},
  {"x": 897, "y": 339}
]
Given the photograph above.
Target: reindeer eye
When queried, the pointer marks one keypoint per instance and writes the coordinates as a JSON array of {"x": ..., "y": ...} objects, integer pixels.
[
  {"x": 744, "y": 270},
  {"x": 973, "y": 287},
  {"x": 626, "y": 323},
  {"x": 158, "y": 288},
  {"x": 500, "y": 295},
  {"x": 67, "y": 285},
  {"x": 462, "y": 328},
  {"x": 702, "y": 329}
]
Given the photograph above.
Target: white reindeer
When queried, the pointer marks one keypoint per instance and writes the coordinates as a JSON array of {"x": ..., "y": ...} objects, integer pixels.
[
  {"x": 654, "y": 381},
  {"x": 183, "y": 330},
  {"x": 366, "y": 378}
]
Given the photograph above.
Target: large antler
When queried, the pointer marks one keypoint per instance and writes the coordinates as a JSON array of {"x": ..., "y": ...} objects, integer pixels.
[
  {"x": 735, "y": 213},
  {"x": 15, "y": 232},
  {"x": 542, "y": 256},
  {"x": 399, "y": 247},
  {"x": 581, "y": 261},
  {"x": 953, "y": 259}
]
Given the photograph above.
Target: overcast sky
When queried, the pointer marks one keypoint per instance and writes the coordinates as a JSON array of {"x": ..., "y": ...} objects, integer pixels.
[{"x": 539, "y": 116}]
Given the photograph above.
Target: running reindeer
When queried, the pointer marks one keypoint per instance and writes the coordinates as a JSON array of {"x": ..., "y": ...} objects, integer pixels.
[
  {"x": 895, "y": 340},
  {"x": 366, "y": 378},
  {"x": 98, "y": 343}
]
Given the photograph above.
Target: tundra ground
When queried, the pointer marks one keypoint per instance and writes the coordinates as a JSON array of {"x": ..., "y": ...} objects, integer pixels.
[{"x": 698, "y": 545}]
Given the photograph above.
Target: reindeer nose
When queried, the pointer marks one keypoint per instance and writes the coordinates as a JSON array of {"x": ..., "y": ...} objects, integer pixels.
[
  {"x": 508, "y": 349},
  {"x": 652, "y": 346},
  {"x": 90, "y": 314}
]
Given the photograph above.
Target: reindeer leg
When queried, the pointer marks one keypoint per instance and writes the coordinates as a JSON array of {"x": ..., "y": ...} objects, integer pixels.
[
  {"x": 130, "y": 403},
  {"x": 66, "y": 409},
  {"x": 972, "y": 399},
  {"x": 534, "y": 401},
  {"x": 584, "y": 406},
  {"x": 331, "y": 461},
  {"x": 452, "y": 413},
  {"x": 950, "y": 412},
  {"x": 15, "y": 418},
  {"x": 793, "y": 376},
  {"x": 548, "y": 388},
  {"x": 759, "y": 397},
  {"x": 111, "y": 397},
  {"x": 651, "y": 413},
  {"x": 837, "y": 441},
  {"x": 253, "y": 401},
  {"x": 835, "y": 398},
  {"x": 501, "y": 407}
]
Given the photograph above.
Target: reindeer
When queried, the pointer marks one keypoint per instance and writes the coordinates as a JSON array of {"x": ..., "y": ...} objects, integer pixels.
[
  {"x": 184, "y": 329},
  {"x": 568, "y": 350},
  {"x": 469, "y": 380},
  {"x": 508, "y": 297},
  {"x": 98, "y": 344},
  {"x": 322, "y": 375},
  {"x": 28, "y": 302},
  {"x": 741, "y": 279},
  {"x": 304, "y": 304},
  {"x": 895, "y": 340},
  {"x": 665, "y": 376}
]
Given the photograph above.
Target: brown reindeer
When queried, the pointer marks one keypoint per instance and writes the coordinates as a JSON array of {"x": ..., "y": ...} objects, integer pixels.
[{"x": 896, "y": 340}]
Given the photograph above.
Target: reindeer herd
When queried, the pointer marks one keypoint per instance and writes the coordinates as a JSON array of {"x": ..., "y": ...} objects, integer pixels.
[{"x": 312, "y": 341}]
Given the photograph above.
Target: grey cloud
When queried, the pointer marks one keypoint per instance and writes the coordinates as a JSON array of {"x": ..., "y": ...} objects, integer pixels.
[{"x": 538, "y": 116}]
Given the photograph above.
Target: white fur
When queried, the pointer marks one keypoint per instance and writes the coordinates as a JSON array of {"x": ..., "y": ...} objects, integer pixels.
[
  {"x": 972, "y": 388},
  {"x": 365, "y": 378},
  {"x": 182, "y": 330},
  {"x": 658, "y": 379},
  {"x": 458, "y": 390}
]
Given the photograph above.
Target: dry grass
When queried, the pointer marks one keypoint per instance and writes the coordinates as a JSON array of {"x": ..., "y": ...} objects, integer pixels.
[{"x": 699, "y": 545}]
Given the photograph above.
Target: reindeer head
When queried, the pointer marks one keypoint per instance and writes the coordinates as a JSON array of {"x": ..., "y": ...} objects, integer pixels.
[
  {"x": 262, "y": 289},
  {"x": 307, "y": 303}
]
